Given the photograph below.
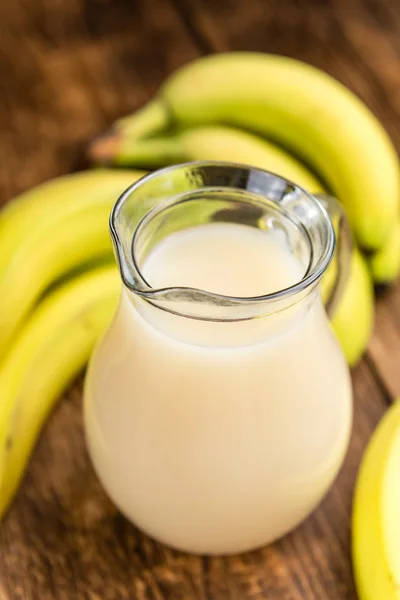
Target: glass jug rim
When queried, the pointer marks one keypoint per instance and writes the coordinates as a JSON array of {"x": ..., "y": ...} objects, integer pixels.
[{"x": 137, "y": 284}]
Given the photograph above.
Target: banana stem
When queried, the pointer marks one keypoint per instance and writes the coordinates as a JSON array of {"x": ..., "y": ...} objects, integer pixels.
[
  {"x": 155, "y": 152},
  {"x": 151, "y": 118},
  {"x": 123, "y": 151}
]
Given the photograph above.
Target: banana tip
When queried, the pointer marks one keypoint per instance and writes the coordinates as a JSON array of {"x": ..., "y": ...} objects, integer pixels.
[{"x": 103, "y": 148}]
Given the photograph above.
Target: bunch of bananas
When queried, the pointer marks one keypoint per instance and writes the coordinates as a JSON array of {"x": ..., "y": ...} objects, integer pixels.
[
  {"x": 58, "y": 284},
  {"x": 290, "y": 103},
  {"x": 60, "y": 288}
]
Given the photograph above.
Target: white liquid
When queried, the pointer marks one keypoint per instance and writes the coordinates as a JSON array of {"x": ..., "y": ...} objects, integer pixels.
[
  {"x": 218, "y": 437},
  {"x": 224, "y": 258}
]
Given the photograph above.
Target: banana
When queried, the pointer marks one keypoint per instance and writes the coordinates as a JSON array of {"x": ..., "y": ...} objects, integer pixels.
[
  {"x": 49, "y": 352},
  {"x": 75, "y": 235},
  {"x": 385, "y": 263},
  {"x": 353, "y": 318},
  {"x": 45, "y": 203},
  {"x": 211, "y": 142},
  {"x": 301, "y": 108},
  {"x": 376, "y": 514}
]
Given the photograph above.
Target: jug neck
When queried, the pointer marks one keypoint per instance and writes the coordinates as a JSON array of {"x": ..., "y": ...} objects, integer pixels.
[
  {"x": 222, "y": 334},
  {"x": 195, "y": 194}
]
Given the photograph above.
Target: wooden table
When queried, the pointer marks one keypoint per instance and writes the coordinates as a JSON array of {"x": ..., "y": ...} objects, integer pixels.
[{"x": 67, "y": 69}]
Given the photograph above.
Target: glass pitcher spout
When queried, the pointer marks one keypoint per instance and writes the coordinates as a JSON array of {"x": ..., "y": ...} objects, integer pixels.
[{"x": 183, "y": 196}]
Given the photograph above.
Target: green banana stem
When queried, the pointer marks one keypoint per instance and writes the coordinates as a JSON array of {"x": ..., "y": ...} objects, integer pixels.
[
  {"x": 152, "y": 153},
  {"x": 151, "y": 118},
  {"x": 217, "y": 142}
]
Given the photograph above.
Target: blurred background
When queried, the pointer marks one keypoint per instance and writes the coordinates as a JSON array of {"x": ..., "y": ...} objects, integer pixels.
[{"x": 68, "y": 69}]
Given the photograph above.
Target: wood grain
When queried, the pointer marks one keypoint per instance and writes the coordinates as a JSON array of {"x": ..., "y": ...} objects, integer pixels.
[
  {"x": 68, "y": 68},
  {"x": 384, "y": 347},
  {"x": 82, "y": 64}
]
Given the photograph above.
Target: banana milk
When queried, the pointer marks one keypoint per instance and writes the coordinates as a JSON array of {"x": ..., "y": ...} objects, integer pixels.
[{"x": 218, "y": 437}]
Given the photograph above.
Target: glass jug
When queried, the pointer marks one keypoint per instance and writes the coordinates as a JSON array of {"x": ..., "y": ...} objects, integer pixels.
[{"x": 217, "y": 423}]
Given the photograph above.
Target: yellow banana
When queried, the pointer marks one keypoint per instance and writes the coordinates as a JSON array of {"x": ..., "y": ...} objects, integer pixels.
[
  {"x": 301, "y": 108},
  {"x": 376, "y": 514},
  {"x": 210, "y": 142},
  {"x": 385, "y": 262},
  {"x": 45, "y": 203},
  {"x": 353, "y": 318},
  {"x": 75, "y": 235},
  {"x": 49, "y": 352}
]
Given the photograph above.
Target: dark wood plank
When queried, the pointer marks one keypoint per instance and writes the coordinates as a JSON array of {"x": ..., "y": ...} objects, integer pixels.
[
  {"x": 384, "y": 347},
  {"x": 84, "y": 62},
  {"x": 68, "y": 69}
]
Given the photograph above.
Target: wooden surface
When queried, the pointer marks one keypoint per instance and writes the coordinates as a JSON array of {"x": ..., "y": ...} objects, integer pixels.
[{"x": 67, "y": 69}]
